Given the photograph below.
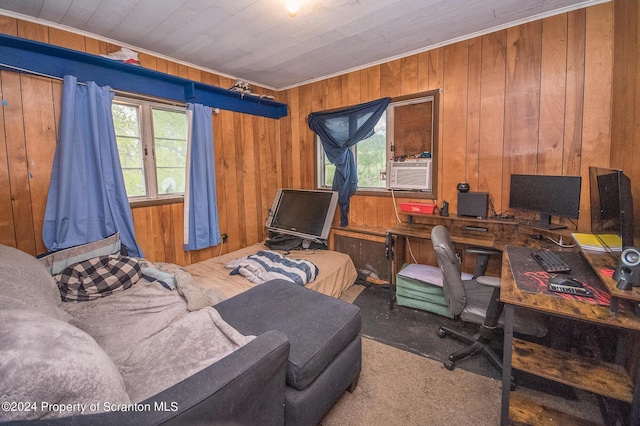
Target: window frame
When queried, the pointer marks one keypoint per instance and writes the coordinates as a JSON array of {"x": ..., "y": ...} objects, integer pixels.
[
  {"x": 147, "y": 140},
  {"x": 428, "y": 96}
]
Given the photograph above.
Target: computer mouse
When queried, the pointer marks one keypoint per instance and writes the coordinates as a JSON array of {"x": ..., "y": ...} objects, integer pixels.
[{"x": 564, "y": 280}]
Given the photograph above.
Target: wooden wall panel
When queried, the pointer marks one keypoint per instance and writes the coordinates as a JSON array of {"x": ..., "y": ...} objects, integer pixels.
[
  {"x": 14, "y": 128},
  {"x": 33, "y": 31},
  {"x": 523, "y": 97},
  {"x": 625, "y": 128},
  {"x": 40, "y": 141},
  {"x": 598, "y": 81},
  {"x": 491, "y": 143},
  {"x": 305, "y": 171},
  {"x": 474, "y": 78},
  {"x": 453, "y": 146},
  {"x": 574, "y": 94},
  {"x": 553, "y": 72},
  {"x": 7, "y": 222}
]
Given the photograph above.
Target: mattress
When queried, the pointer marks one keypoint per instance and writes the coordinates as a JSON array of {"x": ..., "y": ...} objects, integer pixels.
[{"x": 336, "y": 271}]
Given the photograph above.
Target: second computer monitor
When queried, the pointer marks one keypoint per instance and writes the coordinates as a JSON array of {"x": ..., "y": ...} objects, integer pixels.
[{"x": 546, "y": 195}]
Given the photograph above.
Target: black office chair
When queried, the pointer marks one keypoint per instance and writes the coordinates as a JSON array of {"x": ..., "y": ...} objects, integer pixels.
[{"x": 476, "y": 301}]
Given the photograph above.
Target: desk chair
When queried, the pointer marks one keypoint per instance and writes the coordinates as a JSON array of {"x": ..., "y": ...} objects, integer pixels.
[{"x": 476, "y": 301}]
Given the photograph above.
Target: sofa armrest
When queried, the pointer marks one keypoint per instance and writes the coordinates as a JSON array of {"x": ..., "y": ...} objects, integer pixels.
[{"x": 246, "y": 387}]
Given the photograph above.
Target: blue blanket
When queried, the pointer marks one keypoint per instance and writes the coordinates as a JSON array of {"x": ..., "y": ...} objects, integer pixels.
[{"x": 267, "y": 265}]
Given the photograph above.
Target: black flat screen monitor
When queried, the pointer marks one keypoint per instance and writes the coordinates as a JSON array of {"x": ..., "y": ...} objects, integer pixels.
[
  {"x": 611, "y": 203},
  {"x": 305, "y": 213},
  {"x": 546, "y": 195}
]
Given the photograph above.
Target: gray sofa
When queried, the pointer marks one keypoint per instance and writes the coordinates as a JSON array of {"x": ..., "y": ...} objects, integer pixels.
[{"x": 287, "y": 354}]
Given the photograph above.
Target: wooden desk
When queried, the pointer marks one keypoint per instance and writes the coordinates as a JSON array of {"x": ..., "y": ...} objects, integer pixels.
[
  {"x": 611, "y": 380},
  {"x": 422, "y": 231},
  {"x": 601, "y": 261},
  {"x": 497, "y": 238}
]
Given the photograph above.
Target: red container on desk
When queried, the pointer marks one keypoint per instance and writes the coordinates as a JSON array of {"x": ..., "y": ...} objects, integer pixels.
[{"x": 426, "y": 208}]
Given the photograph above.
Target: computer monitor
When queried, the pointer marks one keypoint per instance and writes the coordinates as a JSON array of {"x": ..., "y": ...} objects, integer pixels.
[
  {"x": 611, "y": 203},
  {"x": 305, "y": 213},
  {"x": 546, "y": 195}
]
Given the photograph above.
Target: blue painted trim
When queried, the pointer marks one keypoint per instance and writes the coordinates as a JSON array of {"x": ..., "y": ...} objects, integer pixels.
[{"x": 58, "y": 61}]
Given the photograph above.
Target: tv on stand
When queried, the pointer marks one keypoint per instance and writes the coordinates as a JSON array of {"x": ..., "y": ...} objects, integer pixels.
[{"x": 304, "y": 213}]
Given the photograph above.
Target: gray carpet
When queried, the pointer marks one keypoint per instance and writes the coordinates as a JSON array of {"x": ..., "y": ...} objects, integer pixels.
[{"x": 400, "y": 387}]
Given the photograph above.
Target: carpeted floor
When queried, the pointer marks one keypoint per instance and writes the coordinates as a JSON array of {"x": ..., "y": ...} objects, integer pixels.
[
  {"x": 403, "y": 381},
  {"x": 397, "y": 387}
]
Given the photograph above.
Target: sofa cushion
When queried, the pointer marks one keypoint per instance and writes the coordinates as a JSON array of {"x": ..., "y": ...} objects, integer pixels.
[
  {"x": 43, "y": 360},
  {"x": 319, "y": 327},
  {"x": 26, "y": 284},
  {"x": 57, "y": 261}
]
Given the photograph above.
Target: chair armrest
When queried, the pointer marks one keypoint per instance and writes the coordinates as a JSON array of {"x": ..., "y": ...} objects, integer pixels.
[
  {"x": 489, "y": 281},
  {"x": 482, "y": 250}
]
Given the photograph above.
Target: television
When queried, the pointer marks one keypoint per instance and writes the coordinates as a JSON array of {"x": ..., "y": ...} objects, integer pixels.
[
  {"x": 305, "y": 213},
  {"x": 611, "y": 203},
  {"x": 546, "y": 195}
]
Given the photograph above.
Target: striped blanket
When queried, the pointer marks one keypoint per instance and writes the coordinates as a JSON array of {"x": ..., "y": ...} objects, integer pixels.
[{"x": 267, "y": 265}]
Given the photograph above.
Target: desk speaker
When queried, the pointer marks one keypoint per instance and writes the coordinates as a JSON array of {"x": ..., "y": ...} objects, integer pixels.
[
  {"x": 473, "y": 204},
  {"x": 628, "y": 271}
]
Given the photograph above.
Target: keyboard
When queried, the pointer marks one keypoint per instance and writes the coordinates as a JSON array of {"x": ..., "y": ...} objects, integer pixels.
[{"x": 550, "y": 261}]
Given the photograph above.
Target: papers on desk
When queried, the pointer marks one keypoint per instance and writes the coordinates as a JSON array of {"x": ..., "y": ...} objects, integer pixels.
[{"x": 598, "y": 242}]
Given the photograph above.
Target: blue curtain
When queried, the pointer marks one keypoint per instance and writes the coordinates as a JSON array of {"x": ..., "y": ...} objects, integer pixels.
[
  {"x": 87, "y": 199},
  {"x": 339, "y": 130},
  {"x": 200, "y": 203}
]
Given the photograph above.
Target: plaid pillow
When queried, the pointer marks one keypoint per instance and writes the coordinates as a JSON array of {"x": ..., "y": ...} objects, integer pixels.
[{"x": 97, "y": 277}]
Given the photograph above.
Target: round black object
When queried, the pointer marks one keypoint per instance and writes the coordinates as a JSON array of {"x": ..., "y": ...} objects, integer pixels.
[{"x": 463, "y": 187}]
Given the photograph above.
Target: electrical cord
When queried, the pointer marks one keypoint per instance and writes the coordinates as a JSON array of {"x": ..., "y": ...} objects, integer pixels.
[
  {"x": 395, "y": 209},
  {"x": 395, "y": 206},
  {"x": 561, "y": 243}
]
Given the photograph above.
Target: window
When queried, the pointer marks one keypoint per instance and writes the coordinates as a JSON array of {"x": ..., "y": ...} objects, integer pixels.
[
  {"x": 408, "y": 128},
  {"x": 370, "y": 157},
  {"x": 152, "y": 144}
]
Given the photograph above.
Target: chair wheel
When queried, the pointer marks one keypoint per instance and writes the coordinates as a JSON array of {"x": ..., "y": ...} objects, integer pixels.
[
  {"x": 449, "y": 365},
  {"x": 441, "y": 333}
]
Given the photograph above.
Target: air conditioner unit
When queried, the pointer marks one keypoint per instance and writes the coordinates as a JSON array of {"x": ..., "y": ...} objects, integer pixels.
[{"x": 410, "y": 174}]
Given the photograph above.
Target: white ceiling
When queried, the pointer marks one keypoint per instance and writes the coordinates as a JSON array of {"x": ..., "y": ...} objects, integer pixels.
[{"x": 257, "y": 41}]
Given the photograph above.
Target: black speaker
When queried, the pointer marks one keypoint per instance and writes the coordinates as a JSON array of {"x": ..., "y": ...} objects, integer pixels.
[
  {"x": 628, "y": 271},
  {"x": 473, "y": 204},
  {"x": 444, "y": 210}
]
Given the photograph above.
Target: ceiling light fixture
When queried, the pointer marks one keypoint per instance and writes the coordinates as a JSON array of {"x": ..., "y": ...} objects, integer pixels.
[{"x": 292, "y": 8}]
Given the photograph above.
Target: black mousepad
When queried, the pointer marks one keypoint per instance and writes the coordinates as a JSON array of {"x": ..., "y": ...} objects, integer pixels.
[{"x": 531, "y": 278}]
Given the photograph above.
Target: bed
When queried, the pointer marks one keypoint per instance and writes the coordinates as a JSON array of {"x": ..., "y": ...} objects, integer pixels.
[{"x": 336, "y": 271}]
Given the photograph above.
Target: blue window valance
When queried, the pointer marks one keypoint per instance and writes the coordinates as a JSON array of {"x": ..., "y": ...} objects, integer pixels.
[{"x": 18, "y": 54}]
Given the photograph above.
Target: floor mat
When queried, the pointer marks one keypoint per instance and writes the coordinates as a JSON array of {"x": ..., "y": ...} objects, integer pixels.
[{"x": 415, "y": 331}]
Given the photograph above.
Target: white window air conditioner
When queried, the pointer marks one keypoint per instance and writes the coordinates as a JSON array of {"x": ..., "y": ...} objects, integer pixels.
[{"x": 410, "y": 174}]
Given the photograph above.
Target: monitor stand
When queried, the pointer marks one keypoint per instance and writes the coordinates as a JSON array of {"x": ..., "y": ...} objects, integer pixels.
[{"x": 545, "y": 223}]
